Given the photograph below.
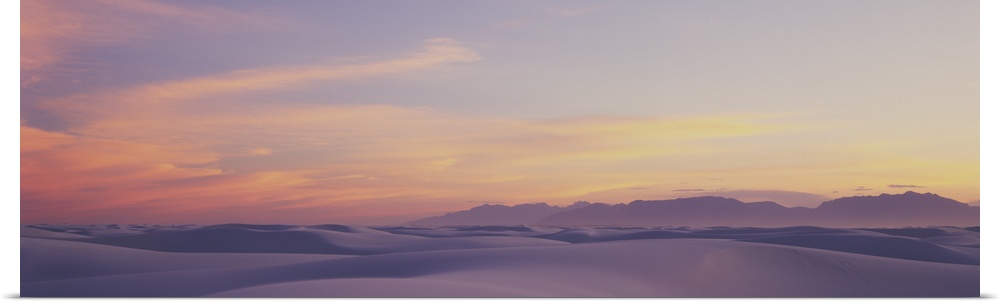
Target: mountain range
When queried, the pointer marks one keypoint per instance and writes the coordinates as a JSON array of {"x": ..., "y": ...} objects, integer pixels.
[{"x": 886, "y": 210}]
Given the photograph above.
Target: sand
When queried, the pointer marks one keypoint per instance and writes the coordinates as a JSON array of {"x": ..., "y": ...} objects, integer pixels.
[{"x": 496, "y": 261}]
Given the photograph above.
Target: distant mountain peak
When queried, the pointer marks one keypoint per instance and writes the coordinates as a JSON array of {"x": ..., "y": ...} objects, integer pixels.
[
  {"x": 912, "y": 193},
  {"x": 909, "y": 197},
  {"x": 496, "y": 214},
  {"x": 884, "y": 210},
  {"x": 487, "y": 205}
]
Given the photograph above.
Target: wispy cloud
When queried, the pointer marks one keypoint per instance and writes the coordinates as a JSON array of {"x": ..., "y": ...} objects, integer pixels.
[
  {"x": 53, "y": 32},
  {"x": 154, "y": 142},
  {"x": 149, "y": 99},
  {"x": 862, "y": 188},
  {"x": 51, "y": 29},
  {"x": 194, "y": 140},
  {"x": 68, "y": 169},
  {"x": 305, "y": 154},
  {"x": 310, "y": 138},
  {"x": 206, "y": 16}
]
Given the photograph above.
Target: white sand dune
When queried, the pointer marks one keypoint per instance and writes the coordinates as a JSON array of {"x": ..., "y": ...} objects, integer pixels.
[
  {"x": 45, "y": 260},
  {"x": 112, "y": 230},
  {"x": 297, "y": 239},
  {"x": 40, "y": 233},
  {"x": 894, "y": 247},
  {"x": 672, "y": 268},
  {"x": 534, "y": 262}
]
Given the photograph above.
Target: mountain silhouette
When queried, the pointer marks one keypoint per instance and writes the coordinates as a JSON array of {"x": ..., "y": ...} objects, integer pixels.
[
  {"x": 907, "y": 209},
  {"x": 886, "y": 210},
  {"x": 487, "y": 214},
  {"x": 694, "y": 211}
]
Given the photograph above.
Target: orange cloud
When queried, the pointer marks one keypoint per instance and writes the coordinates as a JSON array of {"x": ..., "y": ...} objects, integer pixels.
[
  {"x": 194, "y": 149},
  {"x": 314, "y": 162},
  {"x": 130, "y": 147},
  {"x": 142, "y": 145},
  {"x": 62, "y": 173},
  {"x": 190, "y": 149},
  {"x": 350, "y": 155}
]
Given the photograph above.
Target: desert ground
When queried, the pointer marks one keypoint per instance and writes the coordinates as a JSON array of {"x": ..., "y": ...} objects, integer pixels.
[{"x": 240, "y": 260}]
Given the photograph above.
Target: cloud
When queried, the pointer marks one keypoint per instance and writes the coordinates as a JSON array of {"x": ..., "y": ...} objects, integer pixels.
[
  {"x": 77, "y": 178},
  {"x": 51, "y": 29},
  {"x": 205, "y": 16},
  {"x": 330, "y": 156},
  {"x": 53, "y": 32},
  {"x": 193, "y": 147},
  {"x": 689, "y": 190},
  {"x": 862, "y": 188},
  {"x": 904, "y": 186},
  {"x": 155, "y": 149},
  {"x": 75, "y": 173},
  {"x": 259, "y": 151},
  {"x": 157, "y": 99}
]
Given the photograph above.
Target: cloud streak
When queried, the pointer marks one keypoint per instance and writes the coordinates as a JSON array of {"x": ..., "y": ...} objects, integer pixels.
[
  {"x": 153, "y": 142},
  {"x": 154, "y": 99},
  {"x": 53, "y": 32},
  {"x": 160, "y": 109},
  {"x": 158, "y": 147},
  {"x": 325, "y": 156}
]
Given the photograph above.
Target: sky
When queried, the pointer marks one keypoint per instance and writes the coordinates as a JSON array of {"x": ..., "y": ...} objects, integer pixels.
[{"x": 379, "y": 112}]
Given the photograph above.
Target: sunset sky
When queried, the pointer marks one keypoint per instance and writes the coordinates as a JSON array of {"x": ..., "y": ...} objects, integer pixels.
[{"x": 378, "y": 112}]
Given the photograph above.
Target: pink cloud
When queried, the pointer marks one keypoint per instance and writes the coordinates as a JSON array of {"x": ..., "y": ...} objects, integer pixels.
[{"x": 153, "y": 99}]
